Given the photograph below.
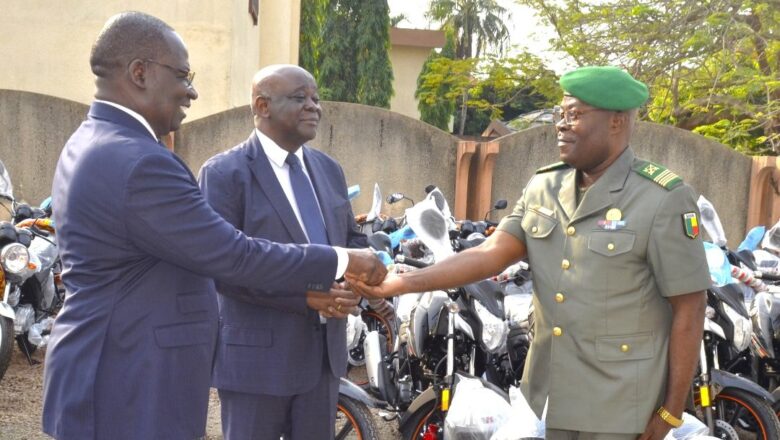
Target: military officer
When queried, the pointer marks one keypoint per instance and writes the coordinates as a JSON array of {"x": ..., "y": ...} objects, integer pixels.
[{"x": 619, "y": 272}]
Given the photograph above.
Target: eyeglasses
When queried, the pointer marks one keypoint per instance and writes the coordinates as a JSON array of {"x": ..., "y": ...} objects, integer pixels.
[
  {"x": 571, "y": 116},
  {"x": 189, "y": 75}
]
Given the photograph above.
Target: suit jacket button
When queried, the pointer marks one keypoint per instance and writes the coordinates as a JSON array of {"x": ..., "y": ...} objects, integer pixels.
[
  {"x": 557, "y": 331},
  {"x": 565, "y": 264},
  {"x": 624, "y": 348}
]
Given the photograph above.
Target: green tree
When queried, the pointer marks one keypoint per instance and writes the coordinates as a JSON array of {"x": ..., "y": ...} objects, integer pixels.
[
  {"x": 312, "y": 22},
  {"x": 712, "y": 65},
  {"x": 354, "y": 60},
  {"x": 478, "y": 25},
  {"x": 433, "y": 109},
  {"x": 374, "y": 70},
  {"x": 488, "y": 87}
]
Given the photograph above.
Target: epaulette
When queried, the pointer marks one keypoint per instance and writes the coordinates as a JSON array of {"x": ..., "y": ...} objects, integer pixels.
[
  {"x": 657, "y": 173},
  {"x": 553, "y": 167}
]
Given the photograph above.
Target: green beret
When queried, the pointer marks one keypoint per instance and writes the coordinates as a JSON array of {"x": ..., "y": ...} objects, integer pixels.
[{"x": 606, "y": 87}]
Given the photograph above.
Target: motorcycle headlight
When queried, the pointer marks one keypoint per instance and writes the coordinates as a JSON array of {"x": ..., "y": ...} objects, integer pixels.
[
  {"x": 494, "y": 329},
  {"x": 743, "y": 328},
  {"x": 14, "y": 258}
]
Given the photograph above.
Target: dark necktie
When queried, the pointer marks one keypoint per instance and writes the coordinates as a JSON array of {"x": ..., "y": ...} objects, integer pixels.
[{"x": 307, "y": 202}]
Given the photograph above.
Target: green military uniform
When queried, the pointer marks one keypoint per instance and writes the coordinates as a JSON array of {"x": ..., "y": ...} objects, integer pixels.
[{"x": 602, "y": 269}]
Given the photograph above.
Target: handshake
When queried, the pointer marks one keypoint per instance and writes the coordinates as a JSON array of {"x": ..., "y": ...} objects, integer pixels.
[{"x": 364, "y": 268}]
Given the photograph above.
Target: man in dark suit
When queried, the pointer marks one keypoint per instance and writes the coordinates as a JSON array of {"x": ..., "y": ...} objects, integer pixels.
[
  {"x": 278, "y": 363},
  {"x": 131, "y": 352}
]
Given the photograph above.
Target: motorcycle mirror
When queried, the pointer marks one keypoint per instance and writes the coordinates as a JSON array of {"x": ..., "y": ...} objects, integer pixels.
[
  {"x": 501, "y": 204},
  {"x": 429, "y": 188},
  {"x": 395, "y": 197}
]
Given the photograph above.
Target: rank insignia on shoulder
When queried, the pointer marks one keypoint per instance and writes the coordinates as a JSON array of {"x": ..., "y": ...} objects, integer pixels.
[
  {"x": 657, "y": 173},
  {"x": 691, "y": 225},
  {"x": 553, "y": 167}
]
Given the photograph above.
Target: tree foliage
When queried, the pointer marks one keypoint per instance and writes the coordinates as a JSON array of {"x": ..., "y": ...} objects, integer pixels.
[
  {"x": 310, "y": 40},
  {"x": 473, "y": 28},
  {"x": 713, "y": 66},
  {"x": 354, "y": 64},
  {"x": 490, "y": 87},
  {"x": 478, "y": 25}
]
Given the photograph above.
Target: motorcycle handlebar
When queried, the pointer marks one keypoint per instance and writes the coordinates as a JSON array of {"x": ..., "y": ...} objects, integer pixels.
[{"x": 411, "y": 262}]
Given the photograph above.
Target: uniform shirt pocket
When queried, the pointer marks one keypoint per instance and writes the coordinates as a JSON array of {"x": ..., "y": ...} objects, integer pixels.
[
  {"x": 611, "y": 243},
  {"x": 625, "y": 347},
  {"x": 538, "y": 225}
]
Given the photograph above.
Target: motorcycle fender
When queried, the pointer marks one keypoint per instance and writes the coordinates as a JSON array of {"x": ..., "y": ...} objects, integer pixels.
[
  {"x": 426, "y": 397},
  {"x": 353, "y": 391},
  {"x": 7, "y": 311},
  {"x": 723, "y": 379}
]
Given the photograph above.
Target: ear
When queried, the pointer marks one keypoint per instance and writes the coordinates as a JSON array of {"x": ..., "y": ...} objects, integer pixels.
[
  {"x": 618, "y": 121},
  {"x": 261, "y": 104},
  {"x": 137, "y": 72}
]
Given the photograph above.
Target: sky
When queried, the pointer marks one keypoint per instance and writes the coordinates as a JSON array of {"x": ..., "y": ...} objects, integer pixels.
[{"x": 525, "y": 29}]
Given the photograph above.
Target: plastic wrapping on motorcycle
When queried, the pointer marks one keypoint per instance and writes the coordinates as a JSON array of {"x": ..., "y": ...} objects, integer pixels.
[
  {"x": 476, "y": 412},
  {"x": 6, "y": 188},
  {"x": 523, "y": 423},
  {"x": 720, "y": 268},
  {"x": 691, "y": 429},
  {"x": 711, "y": 222},
  {"x": 771, "y": 239}
]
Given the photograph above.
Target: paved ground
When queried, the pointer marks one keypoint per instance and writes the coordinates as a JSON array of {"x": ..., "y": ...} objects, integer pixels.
[{"x": 20, "y": 404}]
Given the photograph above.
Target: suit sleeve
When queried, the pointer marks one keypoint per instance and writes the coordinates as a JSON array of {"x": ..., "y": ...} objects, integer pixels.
[
  {"x": 224, "y": 194},
  {"x": 167, "y": 216}
]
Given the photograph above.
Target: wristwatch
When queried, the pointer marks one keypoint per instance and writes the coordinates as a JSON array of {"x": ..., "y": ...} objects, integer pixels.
[{"x": 669, "y": 418}]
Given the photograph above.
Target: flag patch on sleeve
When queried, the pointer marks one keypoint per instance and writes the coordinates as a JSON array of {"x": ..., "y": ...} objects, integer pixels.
[{"x": 691, "y": 224}]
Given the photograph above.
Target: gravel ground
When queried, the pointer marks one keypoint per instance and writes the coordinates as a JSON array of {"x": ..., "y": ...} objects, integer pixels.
[{"x": 20, "y": 404}]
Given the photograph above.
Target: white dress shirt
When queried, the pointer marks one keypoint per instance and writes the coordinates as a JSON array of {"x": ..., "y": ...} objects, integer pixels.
[{"x": 277, "y": 156}]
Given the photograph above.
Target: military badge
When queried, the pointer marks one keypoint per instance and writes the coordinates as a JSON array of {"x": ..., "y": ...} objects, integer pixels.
[
  {"x": 613, "y": 220},
  {"x": 691, "y": 224}
]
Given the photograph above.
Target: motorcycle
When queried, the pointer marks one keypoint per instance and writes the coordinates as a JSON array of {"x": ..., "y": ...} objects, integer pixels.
[
  {"x": 29, "y": 278},
  {"x": 440, "y": 333},
  {"x": 731, "y": 405}
]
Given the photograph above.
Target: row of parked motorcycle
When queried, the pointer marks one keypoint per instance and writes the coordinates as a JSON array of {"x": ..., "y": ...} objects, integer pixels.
[
  {"x": 409, "y": 355},
  {"x": 417, "y": 348},
  {"x": 32, "y": 293}
]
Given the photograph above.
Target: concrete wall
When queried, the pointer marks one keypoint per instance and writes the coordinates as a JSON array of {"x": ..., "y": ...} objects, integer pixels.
[
  {"x": 376, "y": 145},
  {"x": 45, "y": 45},
  {"x": 719, "y": 173},
  {"x": 35, "y": 128},
  {"x": 372, "y": 144}
]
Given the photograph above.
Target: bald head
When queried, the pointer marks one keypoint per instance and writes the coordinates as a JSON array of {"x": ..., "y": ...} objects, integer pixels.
[
  {"x": 268, "y": 80},
  {"x": 125, "y": 37}
]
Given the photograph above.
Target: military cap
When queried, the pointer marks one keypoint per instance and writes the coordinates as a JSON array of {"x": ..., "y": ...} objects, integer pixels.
[{"x": 606, "y": 87}]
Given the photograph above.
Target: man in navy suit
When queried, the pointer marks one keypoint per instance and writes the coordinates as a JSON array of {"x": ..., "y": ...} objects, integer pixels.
[
  {"x": 131, "y": 352},
  {"x": 278, "y": 362}
]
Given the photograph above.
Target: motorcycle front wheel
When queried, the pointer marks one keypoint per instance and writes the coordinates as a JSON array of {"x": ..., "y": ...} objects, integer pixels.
[
  {"x": 742, "y": 415},
  {"x": 426, "y": 420},
  {"x": 354, "y": 421},
  {"x": 6, "y": 343}
]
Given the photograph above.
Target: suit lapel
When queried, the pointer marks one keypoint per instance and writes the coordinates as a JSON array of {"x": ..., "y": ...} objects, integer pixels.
[
  {"x": 321, "y": 184},
  {"x": 266, "y": 178}
]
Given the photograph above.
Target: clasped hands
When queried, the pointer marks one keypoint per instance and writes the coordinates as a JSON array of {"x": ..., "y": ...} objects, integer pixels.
[{"x": 363, "y": 269}]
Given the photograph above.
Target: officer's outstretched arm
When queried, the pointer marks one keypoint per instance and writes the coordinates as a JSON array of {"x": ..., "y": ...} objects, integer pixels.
[{"x": 491, "y": 257}]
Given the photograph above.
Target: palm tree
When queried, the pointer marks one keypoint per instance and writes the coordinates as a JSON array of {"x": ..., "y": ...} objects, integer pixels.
[{"x": 477, "y": 24}]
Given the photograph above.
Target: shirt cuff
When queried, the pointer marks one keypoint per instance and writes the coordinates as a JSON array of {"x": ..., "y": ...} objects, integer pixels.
[{"x": 343, "y": 261}]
